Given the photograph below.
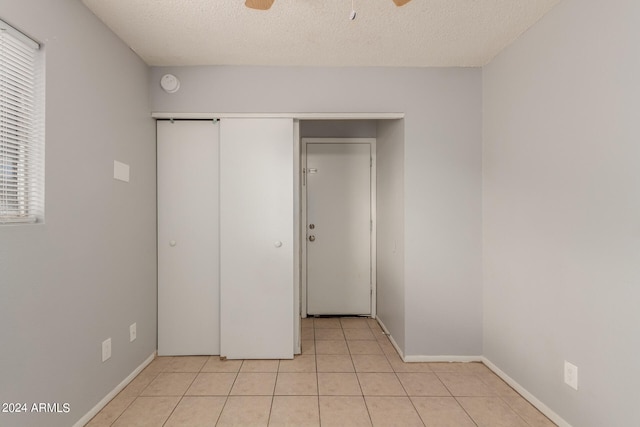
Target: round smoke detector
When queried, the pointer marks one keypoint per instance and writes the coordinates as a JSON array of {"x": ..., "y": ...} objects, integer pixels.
[{"x": 170, "y": 83}]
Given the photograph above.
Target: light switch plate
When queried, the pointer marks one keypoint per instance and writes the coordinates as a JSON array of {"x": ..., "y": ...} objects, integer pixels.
[{"x": 120, "y": 171}]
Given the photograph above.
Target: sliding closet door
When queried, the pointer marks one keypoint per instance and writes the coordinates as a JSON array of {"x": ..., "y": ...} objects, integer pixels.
[
  {"x": 188, "y": 240},
  {"x": 256, "y": 238}
]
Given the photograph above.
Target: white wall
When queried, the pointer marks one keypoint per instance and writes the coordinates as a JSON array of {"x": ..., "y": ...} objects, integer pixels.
[
  {"x": 442, "y": 176},
  {"x": 90, "y": 270},
  {"x": 390, "y": 227},
  {"x": 562, "y": 210}
]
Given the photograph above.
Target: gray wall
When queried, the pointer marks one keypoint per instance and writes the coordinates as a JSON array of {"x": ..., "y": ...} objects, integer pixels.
[
  {"x": 390, "y": 227},
  {"x": 442, "y": 177},
  {"x": 337, "y": 128},
  {"x": 562, "y": 208},
  {"x": 90, "y": 270}
]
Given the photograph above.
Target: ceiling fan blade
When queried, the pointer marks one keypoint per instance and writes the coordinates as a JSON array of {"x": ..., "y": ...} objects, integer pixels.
[
  {"x": 401, "y": 2},
  {"x": 259, "y": 4}
]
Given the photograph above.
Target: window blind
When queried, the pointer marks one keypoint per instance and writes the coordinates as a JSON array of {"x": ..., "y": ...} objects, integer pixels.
[{"x": 21, "y": 128}]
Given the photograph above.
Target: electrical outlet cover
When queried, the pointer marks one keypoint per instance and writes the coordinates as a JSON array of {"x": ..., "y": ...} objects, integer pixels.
[
  {"x": 132, "y": 332},
  {"x": 571, "y": 375},
  {"x": 106, "y": 349}
]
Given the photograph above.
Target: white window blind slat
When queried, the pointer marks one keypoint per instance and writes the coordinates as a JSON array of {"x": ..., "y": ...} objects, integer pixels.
[{"x": 21, "y": 132}]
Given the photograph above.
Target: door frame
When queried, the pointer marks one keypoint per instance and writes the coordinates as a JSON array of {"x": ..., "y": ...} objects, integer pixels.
[{"x": 303, "y": 215}]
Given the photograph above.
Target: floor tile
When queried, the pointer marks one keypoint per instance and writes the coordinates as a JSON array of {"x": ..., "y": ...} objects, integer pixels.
[
  {"x": 339, "y": 411},
  {"x": 354, "y": 323},
  {"x": 387, "y": 347},
  {"x": 329, "y": 334},
  {"x": 528, "y": 412},
  {"x": 380, "y": 384},
  {"x": 300, "y": 363},
  {"x": 334, "y": 363},
  {"x": 169, "y": 384},
  {"x": 338, "y": 384},
  {"x": 202, "y": 411},
  {"x": 364, "y": 347},
  {"x": 296, "y": 384},
  {"x": 358, "y": 334},
  {"x": 327, "y": 322},
  {"x": 496, "y": 385},
  {"x": 490, "y": 412},
  {"x": 112, "y": 411},
  {"x": 245, "y": 411},
  {"x": 464, "y": 384},
  {"x": 158, "y": 364},
  {"x": 441, "y": 412},
  {"x": 399, "y": 366},
  {"x": 215, "y": 364},
  {"x": 299, "y": 411},
  {"x": 371, "y": 363},
  {"x": 139, "y": 383},
  {"x": 379, "y": 335},
  {"x": 422, "y": 384},
  {"x": 186, "y": 364},
  {"x": 392, "y": 412},
  {"x": 307, "y": 334},
  {"x": 308, "y": 347},
  {"x": 332, "y": 347},
  {"x": 260, "y": 366},
  {"x": 476, "y": 368},
  {"x": 394, "y": 392},
  {"x": 446, "y": 367},
  {"x": 212, "y": 384},
  {"x": 254, "y": 384},
  {"x": 374, "y": 325},
  {"x": 147, "y": 412}
]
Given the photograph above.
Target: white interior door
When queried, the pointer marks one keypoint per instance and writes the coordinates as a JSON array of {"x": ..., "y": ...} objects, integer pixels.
[
  {"x": 256, "y": 232},
  {"x": 188, "y": 268},
  {"x": 338, "y": 228}
]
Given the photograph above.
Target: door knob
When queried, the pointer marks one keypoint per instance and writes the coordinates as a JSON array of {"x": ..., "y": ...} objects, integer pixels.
[
  {"x": 312, "y": 238},
  {"x": 312, "y": 226},
  {"x": 172, "y": 243}
]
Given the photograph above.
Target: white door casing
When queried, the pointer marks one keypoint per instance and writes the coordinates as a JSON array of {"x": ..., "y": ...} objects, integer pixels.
[
  {"x": 339, "y": 199},
  {"x": 256, "y": 238},
  {"x": 188, "y": 268}
]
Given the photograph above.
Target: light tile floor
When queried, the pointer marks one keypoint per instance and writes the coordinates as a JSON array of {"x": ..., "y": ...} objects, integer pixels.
[{"x": 348, "y": 374}]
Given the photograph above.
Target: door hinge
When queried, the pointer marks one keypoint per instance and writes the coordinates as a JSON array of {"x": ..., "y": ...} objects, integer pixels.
[
  {"x": 304, "y": 177},
  {"x": 370, "y": 162}
]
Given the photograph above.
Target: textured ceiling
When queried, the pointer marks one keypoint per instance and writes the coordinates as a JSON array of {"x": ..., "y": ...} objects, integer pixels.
[{"x": 423, "y": 33}]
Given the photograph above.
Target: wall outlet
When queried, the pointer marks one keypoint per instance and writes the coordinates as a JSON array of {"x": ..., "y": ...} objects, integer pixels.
[
  {"x": 106, "y": 349},
  {"x": 120, "y": 171},
  {"x": 571, "y": 375},
  {"x": 132, "y": 332}
]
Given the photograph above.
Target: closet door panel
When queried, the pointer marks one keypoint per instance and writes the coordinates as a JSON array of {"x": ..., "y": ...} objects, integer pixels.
[
  {"x": 188, "y": 238},
  {"x": 256, "y": 238}
]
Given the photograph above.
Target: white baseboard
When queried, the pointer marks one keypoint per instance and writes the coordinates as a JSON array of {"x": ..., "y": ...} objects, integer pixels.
[
  {"x": 528, "y": 396},
  {"x": 443, "y": 359},
  {"x": 388, "y": 334},
  {"x": 92, "y": 413}
]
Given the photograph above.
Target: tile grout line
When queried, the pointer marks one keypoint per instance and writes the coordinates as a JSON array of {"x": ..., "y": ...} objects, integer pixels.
[
  {"x": 408, "y": 397},
  {"x": 464, "y": 409},
  {"x": 228, "y": 394},
  {"x": 315, "y": 357}
]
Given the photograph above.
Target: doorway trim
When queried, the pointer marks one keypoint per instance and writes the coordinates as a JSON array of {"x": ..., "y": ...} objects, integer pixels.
[{"x": 303, "y": 216}]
